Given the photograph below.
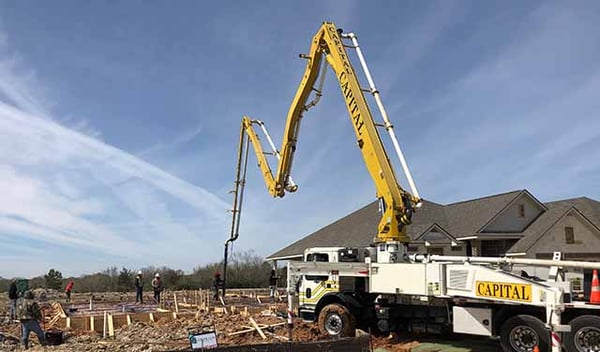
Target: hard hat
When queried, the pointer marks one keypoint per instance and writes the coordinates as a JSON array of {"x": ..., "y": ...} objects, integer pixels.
[
  {"x": 217, "y": 274},
  {"x": 157, "y": 275},
  {"x": 140, "y": 272}
]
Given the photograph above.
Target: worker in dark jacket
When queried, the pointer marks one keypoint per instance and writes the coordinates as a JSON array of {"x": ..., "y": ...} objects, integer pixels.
[
  {"x": 29, "y": 314},
  {"x": 217, "y": 284},
  {"x": 139, "y": 288},
  {"x": 12, "y": 296},
  {"x": 157, "y": 287}
]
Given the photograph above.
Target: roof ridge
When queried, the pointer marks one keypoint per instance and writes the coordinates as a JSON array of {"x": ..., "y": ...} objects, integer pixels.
[
  {"x": 572, "y": 199},
  {"x": 432, "y": 202},
  {"x": 486, "y": 197}
]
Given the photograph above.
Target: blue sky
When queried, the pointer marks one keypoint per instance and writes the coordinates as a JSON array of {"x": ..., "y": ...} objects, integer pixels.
[{"x": 119, "y": 120}]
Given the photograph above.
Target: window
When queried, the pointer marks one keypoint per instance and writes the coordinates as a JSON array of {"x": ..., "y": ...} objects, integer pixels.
[
  {"x": 521, "y": 210},
  {"x": 316, "y": 278},
  {"x": 569, "y": 235},
  {"x": 457, "y": 249},
  {"x": 496, "y": 248},
  {"x": 317, "y": 257},
  {"x": 435, "y": 250}
]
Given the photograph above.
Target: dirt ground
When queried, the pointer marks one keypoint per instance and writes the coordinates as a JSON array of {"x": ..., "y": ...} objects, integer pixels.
[{"x": 172, "y": 334}]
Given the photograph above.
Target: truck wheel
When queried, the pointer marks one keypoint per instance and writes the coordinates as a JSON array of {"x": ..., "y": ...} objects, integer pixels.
[
  {"x": 336, "y": 320},
  {"x": 584, "y": 335},
  {"x": 522, "y": 333}
]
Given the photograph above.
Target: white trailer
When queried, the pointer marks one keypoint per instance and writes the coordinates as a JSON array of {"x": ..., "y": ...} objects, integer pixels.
[{"x": 444, "y": 294}]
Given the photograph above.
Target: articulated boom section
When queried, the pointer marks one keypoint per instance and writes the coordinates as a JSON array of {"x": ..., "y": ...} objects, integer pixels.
[
  {"x": 327, "y": 48},
  {"x": 398, "y": 204}
]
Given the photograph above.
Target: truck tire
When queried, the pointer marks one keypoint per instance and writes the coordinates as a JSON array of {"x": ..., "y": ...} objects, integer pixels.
[
  {"x": 521, "y": 333},
  {"x": 336, "y": 320},
  {"x": 584, "y": 335}
]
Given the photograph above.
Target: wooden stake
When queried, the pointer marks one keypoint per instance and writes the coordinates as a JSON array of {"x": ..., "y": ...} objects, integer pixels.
[
  {"x": 260, "y": 332},
  {"x": 111, "y": 325},
  {"x": 128, "y": 319},
  {"x": 240, "y": 332},
  {"x": 104, "y": 326}
]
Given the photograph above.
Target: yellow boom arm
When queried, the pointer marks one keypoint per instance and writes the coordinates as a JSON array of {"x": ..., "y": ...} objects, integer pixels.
[{"x": 398, "y": 204}]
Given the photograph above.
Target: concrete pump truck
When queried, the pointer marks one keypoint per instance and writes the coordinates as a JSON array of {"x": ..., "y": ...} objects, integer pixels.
[{"x": 384, "y": 287}]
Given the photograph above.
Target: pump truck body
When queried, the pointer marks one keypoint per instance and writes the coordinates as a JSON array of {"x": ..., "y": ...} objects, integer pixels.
[{"x": 384, "y": 287}]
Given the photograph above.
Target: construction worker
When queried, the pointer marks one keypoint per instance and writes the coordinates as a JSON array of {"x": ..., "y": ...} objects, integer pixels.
[
  {"x": 273, "y": 284},
  {"x": 139, "y": 288},
  {"x": 68, "y": 290},
  {"x": 157, "y": 286},
  {"x": 217, "y": 284},
  {"x": 29, "y": 314},
  {"x": 12, "y": 296}
]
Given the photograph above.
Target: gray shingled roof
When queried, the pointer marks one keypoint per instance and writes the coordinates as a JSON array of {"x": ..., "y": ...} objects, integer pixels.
[
  {"x": 458, "y": 219},
  {"x": 466, "y": 218},
  {"x": 359, "y": 229},
  {"x": 587, "y": 207}
]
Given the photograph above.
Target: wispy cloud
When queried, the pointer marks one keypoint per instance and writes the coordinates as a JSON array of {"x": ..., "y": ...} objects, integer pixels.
[
  {"x": 168, "y": 146},
  {"x": 525, "y": 112},
  {"x": 484, "y": 99},
  {"x": 65, "y": 188}
]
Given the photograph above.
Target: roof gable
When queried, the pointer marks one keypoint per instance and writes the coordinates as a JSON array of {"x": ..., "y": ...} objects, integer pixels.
[
  {"x": 587, "y": 209},
  {"x": 590, "y": 208},
  {"x": 508, "y": 220},
  {"x": 468, "y": 217},
  {"x": 435, "y": 233}
]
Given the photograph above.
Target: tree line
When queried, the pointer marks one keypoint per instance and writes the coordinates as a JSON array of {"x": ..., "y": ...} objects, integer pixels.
[{"x": 244, "y": 270}]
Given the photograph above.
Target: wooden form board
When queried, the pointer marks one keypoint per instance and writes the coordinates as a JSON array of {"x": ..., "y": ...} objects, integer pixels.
[{"x": 96, "y": 322}]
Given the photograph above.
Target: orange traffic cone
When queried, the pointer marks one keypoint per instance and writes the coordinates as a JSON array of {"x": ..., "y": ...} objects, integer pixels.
[
  {"x": 595, "y": 294},
  {"x": 536, "y": 349}
]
